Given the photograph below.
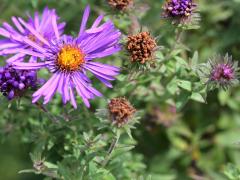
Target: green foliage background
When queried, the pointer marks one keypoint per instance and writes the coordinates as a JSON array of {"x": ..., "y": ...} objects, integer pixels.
[{"x": 203, "y": 140}]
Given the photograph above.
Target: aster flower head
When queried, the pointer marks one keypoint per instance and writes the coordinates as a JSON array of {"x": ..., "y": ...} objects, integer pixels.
[
  {"x": 17, "y": 41},
  {"x": 69, "y": 59},
  {"x": 120, "y": 111},
  {"x": 222, "y": 72},
  {"x": 181, "y": 11},
  {"x": 120, "y": 5},
  {"x": 14, "y": 83},
  {"x": 141, "y": 47}
]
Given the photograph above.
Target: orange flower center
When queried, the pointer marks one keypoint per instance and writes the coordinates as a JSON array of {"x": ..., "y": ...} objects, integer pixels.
[
  {"x": 32, "y": 38},
  {"x": 70, "y": 58}
]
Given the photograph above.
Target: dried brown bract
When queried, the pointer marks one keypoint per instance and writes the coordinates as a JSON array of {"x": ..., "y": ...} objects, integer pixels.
[
  {"x": 120, "y": 5},
  {"x": 141, "y": 47},
  {"x": 120, "y": 111}
]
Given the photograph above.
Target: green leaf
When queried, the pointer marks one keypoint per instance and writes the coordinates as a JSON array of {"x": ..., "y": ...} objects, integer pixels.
[
  {"x": 232, "y": 172},
  {"x": 187, "y": 85},
  {"x": 194, "y": 60},
  {"x": 197, "y": 97}
]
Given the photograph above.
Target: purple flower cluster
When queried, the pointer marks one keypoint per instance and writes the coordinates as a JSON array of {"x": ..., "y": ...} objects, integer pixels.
[
  {"x": 179, "y": 8},
  {"x": 13, "y": 83},
  {"x": 223, "y": 72},
  {"x": 67, "y": 58}
]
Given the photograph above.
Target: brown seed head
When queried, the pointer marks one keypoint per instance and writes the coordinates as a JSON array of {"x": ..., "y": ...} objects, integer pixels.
[
  {"x": 120, "y": 111},
  {"x": 120, "y": 5},
  {"x": 141, "y": 47}
]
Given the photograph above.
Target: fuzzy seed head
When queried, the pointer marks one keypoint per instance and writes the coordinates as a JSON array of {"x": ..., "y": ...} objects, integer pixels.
[
  {"x": 120, "y": 5},
  {"x": 141, "y": 47},
  {"x": 120, "y": 111}
]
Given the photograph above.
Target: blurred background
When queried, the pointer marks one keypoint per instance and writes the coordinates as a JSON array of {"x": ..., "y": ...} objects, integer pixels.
[{"x": 198, "y": 141}]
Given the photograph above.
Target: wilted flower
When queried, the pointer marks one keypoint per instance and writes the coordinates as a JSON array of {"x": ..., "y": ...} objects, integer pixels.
[
  {"x": 120, "y": 5},
  {"x": 69, "y": 58},
  {"x": 13, "y": 83},
  {"x": 141, "y": 47},
  {"x": 165, "y": 116},
  {"x": 121, "y": 111},
  {"x": 223, "y": 72},
  {"x": 19, "y": 41},
  {"x": 179, "y": 10}
]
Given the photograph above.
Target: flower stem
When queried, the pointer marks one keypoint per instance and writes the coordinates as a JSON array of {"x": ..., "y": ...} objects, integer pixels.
[{"x": 111, "y": 149}]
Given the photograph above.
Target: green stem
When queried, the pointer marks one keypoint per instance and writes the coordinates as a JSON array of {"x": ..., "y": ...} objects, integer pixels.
[{"x": 111, "y": 149}]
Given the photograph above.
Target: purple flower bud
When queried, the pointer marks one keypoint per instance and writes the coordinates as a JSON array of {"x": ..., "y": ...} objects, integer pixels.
[
  {"x": 22, "y": 78},
  {"x": 11, "y": 95},
  {"x": 15, "y": 84},
  {"x": 179, "y": 9},
  {"x": 21, "y": 86},
  {"x": 7, "y": 75},
  {"x": 223, "y": 72}
]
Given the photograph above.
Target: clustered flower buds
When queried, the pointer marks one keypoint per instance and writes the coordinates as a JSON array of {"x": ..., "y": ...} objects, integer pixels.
[
  {"x": 120, "y": 5},
  {"x": 181, "y": 9},
  {"x": 13, "y": 83},
  {"x": 121, "y": 111},
  {"x": 223, "y": 72},
  {"x": 141, "y": 47}
]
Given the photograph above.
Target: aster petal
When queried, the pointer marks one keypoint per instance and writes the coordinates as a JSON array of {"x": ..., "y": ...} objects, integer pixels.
[
  {"x": 104, "y": 81},
  {"x": 84, "y": 20},
  {"x": 18, "y": 25},
  {"x": 100, "y": 69},
  {"x": 113, "y": 68},
  {"x": 88, "y": 86},
  {"x": 4, "y": 33},
  {"x": 52, "y": 88},
  {"x": 7, "y": 44},
  {"x": 9, "y": 28},
  {"x": 45, "y": 88},
  {"x": 72, "y": 98},
  {"x": 20, "y": 50},
  {"x": 100, "y": 28},
  {"x": 36, "y": 20},
  {"x": 81, "y": 88},
  {"x": 66, "y": 95},
  {"x": 97, "y": 21},
  {"x": 29, "y": 66},
  {"x": 103, "y": 53},
  {"x": 33, "y": 31},
  {"x": 55, "y": 27},
  {"x": 15, "y": 58},
  {"x": 34, "y": 45},
  {"x": 103, "y": 43},
  {"x": 82, "y": 92},
  {"x": 33, "y": 59},
  {"x": 100, "y": 74}
]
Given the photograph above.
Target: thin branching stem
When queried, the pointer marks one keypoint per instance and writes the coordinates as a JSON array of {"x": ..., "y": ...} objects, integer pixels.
[{"x": 111, "y": 149}]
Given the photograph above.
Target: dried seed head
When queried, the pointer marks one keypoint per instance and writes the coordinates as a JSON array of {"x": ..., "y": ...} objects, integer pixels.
[
  {"x": 120, "y": 111},
  {"x": 141, "y": 47},
  {"x": 164, "y": 115},
  {"x": 120, "y": 5}
]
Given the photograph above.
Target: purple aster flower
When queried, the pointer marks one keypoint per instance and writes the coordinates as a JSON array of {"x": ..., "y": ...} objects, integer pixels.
[
  {"x": 13, "y": 82},
  {"x": 18, "y": 41},
  {"x": 223, "y": 72},
  {"x": 180, "y": 10},
  {"x": 69, "y": 59}
]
